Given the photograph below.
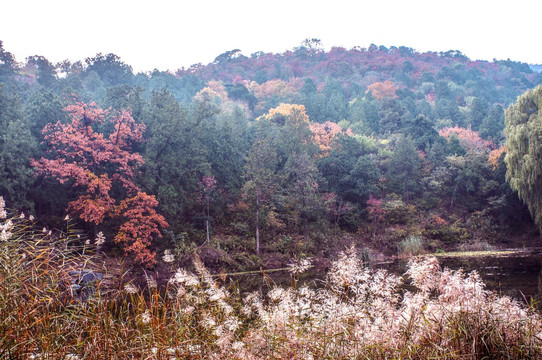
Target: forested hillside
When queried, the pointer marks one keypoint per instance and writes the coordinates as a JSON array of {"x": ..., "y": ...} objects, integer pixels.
[{"x": 265, "y": 154}]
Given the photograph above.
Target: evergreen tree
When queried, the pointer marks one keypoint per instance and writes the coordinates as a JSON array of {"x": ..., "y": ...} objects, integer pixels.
[
  {"x": 261, "y": 178},
  {"x": 303, "y": 177},
  {"x": 404, "y": 167},
  {"x": 349, "y": 170},
  {"x": 477, "y": 113},
  {"x": 175, "y": 157},
  {"x": 44, "y": 107},
  {"x": 363, "y": 113},
  {"x": 7, "y": 63},
  {"x": 422, "y": 132},
  {"x": 492, "y": 127},
  {"x": 17, "y": 146}
]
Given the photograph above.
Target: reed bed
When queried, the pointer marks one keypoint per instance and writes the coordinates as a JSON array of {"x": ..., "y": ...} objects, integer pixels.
[{"x": 357, "y": 313}]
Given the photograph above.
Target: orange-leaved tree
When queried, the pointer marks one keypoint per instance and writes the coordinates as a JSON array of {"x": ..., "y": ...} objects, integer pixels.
[
  {"x": 295, "y": 112},
  {"x": 383, "y": 89},
  {"x": 98, "y": 166},
  {"x": 324, "y": 133}
]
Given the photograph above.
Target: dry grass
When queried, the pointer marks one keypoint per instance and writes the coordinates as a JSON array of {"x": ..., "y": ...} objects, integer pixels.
[{"x": 359, "y": 314}]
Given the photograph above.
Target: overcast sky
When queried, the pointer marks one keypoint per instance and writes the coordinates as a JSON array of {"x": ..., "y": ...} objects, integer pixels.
[{"x": 167, "y": 34}]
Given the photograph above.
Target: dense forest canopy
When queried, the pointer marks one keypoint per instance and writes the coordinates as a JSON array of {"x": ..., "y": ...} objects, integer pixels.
[{"x": 269, "y": 149}]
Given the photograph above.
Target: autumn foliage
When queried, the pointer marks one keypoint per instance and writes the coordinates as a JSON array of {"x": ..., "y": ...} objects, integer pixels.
[
  {"x": 469, "y": 139},
  {"x": 214, "y": 89},
  {"x": 375, "y": 208},
  {"x": 276, "y": 87},
  {"x": 95, "y": 164},
  {"x": 382, "y": 89},
  {"x": 296, "y": 112},
  {"x": 325, "y": 133},
  {"x": 495, "y": 155},
  {"x": 142, "y": 224}
]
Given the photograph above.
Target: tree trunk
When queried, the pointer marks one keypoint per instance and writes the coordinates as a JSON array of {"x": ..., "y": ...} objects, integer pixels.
[
  {"x": 207, "y": 223},
  {"x": 303, "y": 212},
  {"x": 207, "y": 226},
  {"x": 257, "y": 225}
]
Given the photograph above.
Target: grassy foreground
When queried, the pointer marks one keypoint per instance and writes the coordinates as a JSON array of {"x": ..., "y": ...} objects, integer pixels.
[{"x": 358, "y": 313}]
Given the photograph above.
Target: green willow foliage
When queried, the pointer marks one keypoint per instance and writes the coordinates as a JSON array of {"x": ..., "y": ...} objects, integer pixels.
[{"x": 524, "y": 144}]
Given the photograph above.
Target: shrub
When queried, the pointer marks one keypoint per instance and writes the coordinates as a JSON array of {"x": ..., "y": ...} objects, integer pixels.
[{"x": 412, "y": 245}]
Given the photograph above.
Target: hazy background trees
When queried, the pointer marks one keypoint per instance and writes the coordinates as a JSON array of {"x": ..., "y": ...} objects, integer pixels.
[{"x": 295, "y": 141}]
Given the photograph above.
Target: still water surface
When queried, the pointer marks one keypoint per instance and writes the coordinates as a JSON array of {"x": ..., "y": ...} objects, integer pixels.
[{"x": 518, "y": 275}]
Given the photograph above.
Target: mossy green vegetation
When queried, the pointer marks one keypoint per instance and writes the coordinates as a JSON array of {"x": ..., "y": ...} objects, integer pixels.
[{"x": 475, "y": 253}]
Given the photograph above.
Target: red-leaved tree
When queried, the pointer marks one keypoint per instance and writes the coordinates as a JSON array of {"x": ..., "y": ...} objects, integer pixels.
[
  {"x": 142, "y": 224},
  {"x": 95, "y": 165}
]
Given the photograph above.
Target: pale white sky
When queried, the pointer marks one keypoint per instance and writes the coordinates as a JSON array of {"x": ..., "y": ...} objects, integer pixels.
[{"x": 167, "y": 34}]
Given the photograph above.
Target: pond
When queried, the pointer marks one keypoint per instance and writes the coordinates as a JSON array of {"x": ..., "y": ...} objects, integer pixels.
[{"x": 517, "y": 273}]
